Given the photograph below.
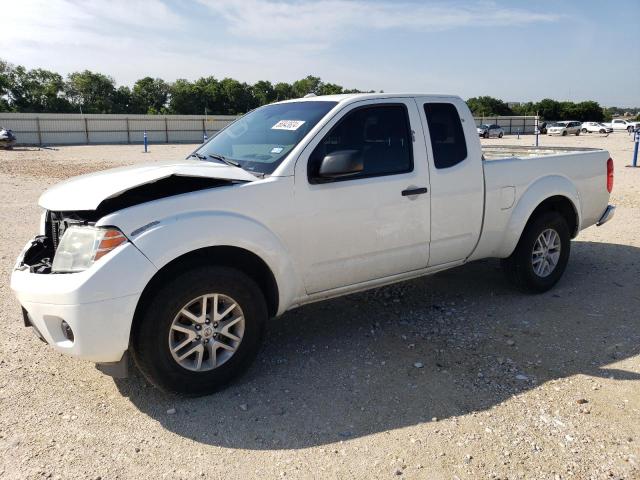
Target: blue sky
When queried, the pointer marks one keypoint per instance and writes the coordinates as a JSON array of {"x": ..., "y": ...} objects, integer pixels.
[{"x": 517, "y": 51}]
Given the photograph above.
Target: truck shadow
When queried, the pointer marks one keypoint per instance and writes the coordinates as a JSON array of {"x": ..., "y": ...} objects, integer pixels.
[{"x": 437, "y": 347}]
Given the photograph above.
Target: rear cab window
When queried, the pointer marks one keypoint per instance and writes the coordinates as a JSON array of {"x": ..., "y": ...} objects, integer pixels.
[{"x": 447, "y": 135}]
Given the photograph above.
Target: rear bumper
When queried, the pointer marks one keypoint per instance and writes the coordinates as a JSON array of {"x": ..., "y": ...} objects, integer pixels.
[{"x": 608, "y": 214}]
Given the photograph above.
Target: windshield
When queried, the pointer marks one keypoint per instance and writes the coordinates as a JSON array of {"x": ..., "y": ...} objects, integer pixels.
[
  {"x": 260, "y": 140},
  {"x": 484, "y": 126}
]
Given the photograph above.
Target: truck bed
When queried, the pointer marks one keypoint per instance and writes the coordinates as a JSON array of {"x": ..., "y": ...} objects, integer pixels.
[{"x": 500, "y": 152}]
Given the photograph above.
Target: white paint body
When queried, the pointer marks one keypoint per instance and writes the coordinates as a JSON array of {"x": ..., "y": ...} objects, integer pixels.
[
  {"x": 620, "y": 125},
  {"x": 319, "y": 240}
]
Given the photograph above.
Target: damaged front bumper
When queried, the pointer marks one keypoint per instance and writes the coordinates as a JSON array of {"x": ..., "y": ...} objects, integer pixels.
[{"x": 87, "y": 314}]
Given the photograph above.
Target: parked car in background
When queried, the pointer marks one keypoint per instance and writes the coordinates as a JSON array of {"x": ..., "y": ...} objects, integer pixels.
[
  {"x": 7, "y": 138},
  {"x": 180, "y": 264},
  {"x": 620, "y": 124},
  {"x": 568, "y": 127},
  {"x": 493, "y": 130},
  {"x": 595, "y": 127},
  {"x": 542, "y": 127}
]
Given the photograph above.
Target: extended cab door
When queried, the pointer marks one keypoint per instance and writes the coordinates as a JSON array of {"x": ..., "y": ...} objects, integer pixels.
[
  {"x": 457, "y": 179},
  {"x": 373, "y": 224}
]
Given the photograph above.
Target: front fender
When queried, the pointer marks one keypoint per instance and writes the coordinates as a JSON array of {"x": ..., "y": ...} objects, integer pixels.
[
  {"x": 536, "y": 193},
  {"x": 175, "y": 236}
]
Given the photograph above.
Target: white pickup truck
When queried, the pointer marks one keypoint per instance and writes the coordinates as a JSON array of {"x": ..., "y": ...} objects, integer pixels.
[
  {"x": 621, "y": 124},
  {"x": 180, "y": 264}
]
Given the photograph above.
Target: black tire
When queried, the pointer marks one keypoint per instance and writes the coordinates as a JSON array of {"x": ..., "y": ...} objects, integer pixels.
[
  {"x": 500, "y": 135},
  {"x": 602, "y": 130},
  {"x": 519, "y": 266},
  {"x": 486, "y": 134},
  {"x": 564, "y": 133},
  {"x": 630, "y": 129},
  {"x": 584, "y": 130},
  {"x": 577, "y": 133},
  {"x": 150, "y": 342}
]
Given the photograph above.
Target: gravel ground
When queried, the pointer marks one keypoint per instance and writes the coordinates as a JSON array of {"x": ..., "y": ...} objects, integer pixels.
[{"x": 453, "y": 376}]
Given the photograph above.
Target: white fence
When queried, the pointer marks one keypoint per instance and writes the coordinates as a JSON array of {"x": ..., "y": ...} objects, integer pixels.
[
  {"x": 511, "y": 125},
  {"x": 72, "y": 128}
]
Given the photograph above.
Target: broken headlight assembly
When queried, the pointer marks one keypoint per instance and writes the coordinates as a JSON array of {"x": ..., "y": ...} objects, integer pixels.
[{"x": 81, "y": 246}]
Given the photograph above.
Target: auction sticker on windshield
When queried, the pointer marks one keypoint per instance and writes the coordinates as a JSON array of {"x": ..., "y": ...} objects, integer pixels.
[{"x": 288, "y": 125}]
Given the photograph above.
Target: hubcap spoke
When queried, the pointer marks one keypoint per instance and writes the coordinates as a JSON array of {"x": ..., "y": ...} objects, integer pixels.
[
  {"x": 200, "y": 338},
  {"x": 546, "y": 252}
]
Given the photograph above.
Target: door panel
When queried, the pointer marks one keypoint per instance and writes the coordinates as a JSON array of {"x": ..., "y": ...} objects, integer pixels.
[
  {"x": 362, "y": 229},
  {"x": 457, "y": 187}
]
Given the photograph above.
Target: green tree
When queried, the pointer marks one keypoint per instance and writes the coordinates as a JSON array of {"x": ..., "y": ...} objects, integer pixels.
[
  {"x": 183, "y": 99},
  {"x": 330, "y": 89},
  {"x": 5, "y": 82},
  {"x": 549, "y": 109},
  {"x": 488, "y": 106},
  {"x": 307, "y": 85},
  {"x": 121, "y": 102},
  {"x": 283, "y": 91},
  {"x": 263, "y": 92},
  {"x": 236, "y": 97},
  {"x": 93, "y": 92},
  {"x": 149, "y": 95}
]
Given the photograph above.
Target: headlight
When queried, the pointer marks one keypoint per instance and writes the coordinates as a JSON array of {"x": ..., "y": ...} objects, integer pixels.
[{"x": 80, "y": 247}]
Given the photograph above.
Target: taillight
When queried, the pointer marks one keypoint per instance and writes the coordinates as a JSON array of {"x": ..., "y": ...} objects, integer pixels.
[{"x": 609, "y": 175}]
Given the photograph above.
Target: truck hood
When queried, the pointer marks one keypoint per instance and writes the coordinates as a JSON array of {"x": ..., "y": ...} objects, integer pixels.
[{"x": 87, "y": 192}]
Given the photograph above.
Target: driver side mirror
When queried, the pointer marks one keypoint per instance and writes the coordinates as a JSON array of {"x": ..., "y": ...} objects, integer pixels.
[{"x": 338, "y": 164}]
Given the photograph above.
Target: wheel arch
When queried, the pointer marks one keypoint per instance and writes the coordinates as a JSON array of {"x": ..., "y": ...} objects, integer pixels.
[
  {"x": 554, "y": 193},
  {"x": 223, "y": 255}
]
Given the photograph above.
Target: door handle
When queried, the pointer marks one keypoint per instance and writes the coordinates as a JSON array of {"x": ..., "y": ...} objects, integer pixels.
[{"x": 414, "y": 191}]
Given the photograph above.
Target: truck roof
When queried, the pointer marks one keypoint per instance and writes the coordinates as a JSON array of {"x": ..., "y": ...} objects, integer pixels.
[{"x": 346, "y": 97}]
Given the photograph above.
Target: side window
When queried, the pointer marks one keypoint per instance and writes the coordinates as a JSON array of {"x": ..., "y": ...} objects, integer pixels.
[
  {"x": 447, "y": 137},
  {"x": 381, "y": 134}
]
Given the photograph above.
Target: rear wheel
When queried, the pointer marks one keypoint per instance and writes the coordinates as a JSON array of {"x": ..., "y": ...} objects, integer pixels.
[
  {"x": 486, "y": 134},
  {"x": 564, "y": 133},
  {"x": 629, "y": 129},
  {"x": 200, "y": 331},
  {"x": 500, "y": 135},
  {"x": 602, "y": 130},
  {"x": 541, "y": 256},
  {"x": 577, "y": 132},
  {"x": 584, "y": 130}
]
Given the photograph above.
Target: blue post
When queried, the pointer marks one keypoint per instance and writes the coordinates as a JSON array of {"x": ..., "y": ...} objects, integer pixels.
[
  {"x": 204, "y": 137},
  {"x": 636, "y": 140},
  {"x": 537, "y": 133},
  {"x": 518, "y": 134},
  {"x": 146, "y": 141}
]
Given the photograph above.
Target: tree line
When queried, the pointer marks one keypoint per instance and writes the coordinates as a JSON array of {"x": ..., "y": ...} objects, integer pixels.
[
  {"x": 44, "y": 91},
  {"x": 39, "y": 90},
  {"x": 547, "y": 109}
]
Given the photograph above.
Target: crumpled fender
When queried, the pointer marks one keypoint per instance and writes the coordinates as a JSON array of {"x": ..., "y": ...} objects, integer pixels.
[
  {"x": 175, "y": 236},
  {"x": 535, "y": 194}
]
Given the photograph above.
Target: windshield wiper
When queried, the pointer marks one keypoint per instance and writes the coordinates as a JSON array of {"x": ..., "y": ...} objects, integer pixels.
[
  {"x": 217, "y": 156},
  {"x": 199, "y": 156}
]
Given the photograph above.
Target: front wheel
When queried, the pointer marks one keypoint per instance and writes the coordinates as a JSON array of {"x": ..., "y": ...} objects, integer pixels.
[
  {"x": 564, "y": 133},
  {"x": 200, "y": 330},
  {"x": 500, "y": 135},
  {"x": 541, "y": 256},
  {"x": 577, "y": 132}
]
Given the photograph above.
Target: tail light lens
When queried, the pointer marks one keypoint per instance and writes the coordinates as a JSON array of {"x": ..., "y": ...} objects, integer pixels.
[{"x": 609, "y": 175}]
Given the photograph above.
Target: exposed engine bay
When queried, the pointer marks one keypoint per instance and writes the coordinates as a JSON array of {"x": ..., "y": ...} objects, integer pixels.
[{"x": 39, "y": 256}]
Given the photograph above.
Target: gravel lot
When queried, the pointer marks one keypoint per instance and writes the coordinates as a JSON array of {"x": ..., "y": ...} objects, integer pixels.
[{"x": 451, "y": 376}]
